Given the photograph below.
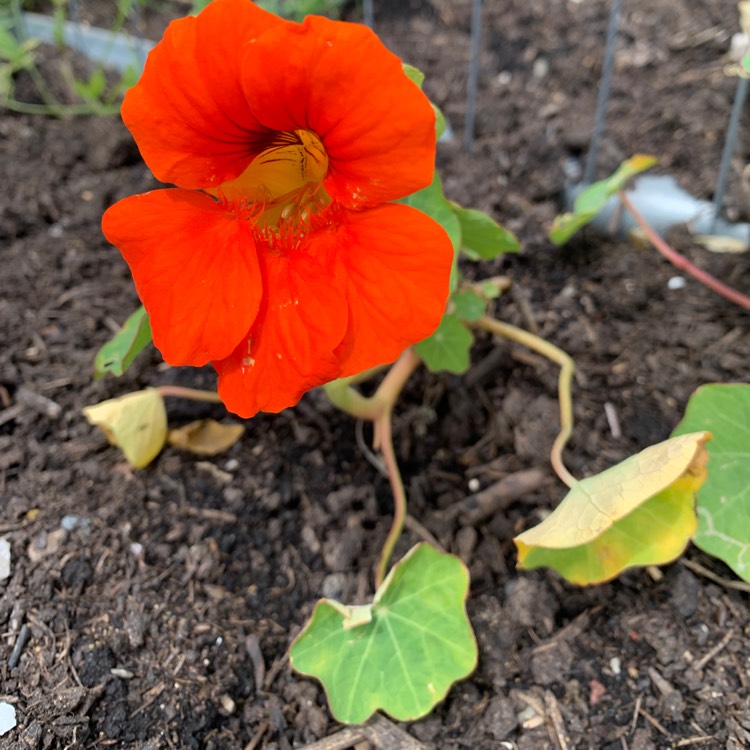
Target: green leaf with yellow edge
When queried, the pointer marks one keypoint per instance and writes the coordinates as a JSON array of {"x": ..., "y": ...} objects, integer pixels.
[
  {"x": 593, "y": 199},
  {"x": 205, "y": 437},
  {"x": 120, "y": 351},
  {"x": 640, "y": 512},
  {"x": 482, "y": 238},
  {"x": 448, "y": 349},
  {"x": 724, "y": 500},
  {"x": 400, "y": 654},
  {"x": 136, "y": 423}
]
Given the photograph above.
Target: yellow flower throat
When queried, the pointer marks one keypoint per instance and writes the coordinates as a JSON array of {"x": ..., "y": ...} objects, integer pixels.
[{"x": 284, "y": 181}]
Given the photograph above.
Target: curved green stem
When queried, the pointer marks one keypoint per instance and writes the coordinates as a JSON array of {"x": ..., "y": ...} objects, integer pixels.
[
  {"x": 567, "y": 368},
  {"x": 191, "y": 393},
  {"x": 378, "y": 409},
  {"x": 384, "y": 441}
]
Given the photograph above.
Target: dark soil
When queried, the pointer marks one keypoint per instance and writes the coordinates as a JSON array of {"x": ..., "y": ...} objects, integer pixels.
[{"x": 160, "y": 604}]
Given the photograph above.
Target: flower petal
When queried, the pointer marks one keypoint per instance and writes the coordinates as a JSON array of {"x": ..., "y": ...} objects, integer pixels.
[
  {"x": 396, "y": 266},
  {"x": 195, "y": 268},
  {"x": 188, "y": 113},
  {"x": 290, "y": 348},
  {"x": 339, "y": 81}
]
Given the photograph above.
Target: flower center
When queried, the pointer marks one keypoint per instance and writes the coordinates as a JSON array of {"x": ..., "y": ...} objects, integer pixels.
[{"x": 284, "y": 181}]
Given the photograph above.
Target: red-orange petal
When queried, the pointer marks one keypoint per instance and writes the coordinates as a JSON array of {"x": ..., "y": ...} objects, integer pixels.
[
  {"x": 195, "y": 268},
  {"x": 396, "y": 263},
  {"x": 290, "y": 348},
  {"x": 339, "y": 81},
  {"x": 188, "y": 113}
]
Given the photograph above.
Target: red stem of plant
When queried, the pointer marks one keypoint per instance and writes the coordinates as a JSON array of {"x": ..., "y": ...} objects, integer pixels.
[{"x": 681, "y": 262}]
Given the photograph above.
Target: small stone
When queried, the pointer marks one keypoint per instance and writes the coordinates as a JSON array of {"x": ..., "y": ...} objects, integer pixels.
[
  {"x": 7, "y": 718},
  {"x": 71, "y": 522},
  {"x": 228, "y": 704},
  {"x": 675, "y": 283},
  {"x": 123, "y": 674},
  {"x": 4, "y": 559}
]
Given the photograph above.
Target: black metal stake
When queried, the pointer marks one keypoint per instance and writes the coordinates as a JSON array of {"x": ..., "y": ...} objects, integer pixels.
[
  {"x": 471, "y": 88},
  {"x": 740, "y": 96},
  {"x": 605, "y": 86},
  {"x": 368, "y": 13}
]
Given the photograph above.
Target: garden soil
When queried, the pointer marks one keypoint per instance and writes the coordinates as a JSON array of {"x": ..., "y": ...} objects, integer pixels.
[{"x": 153, "y": 609}]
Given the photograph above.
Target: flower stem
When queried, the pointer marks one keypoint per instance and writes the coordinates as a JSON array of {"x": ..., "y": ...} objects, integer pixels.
[
  {"x": 191, "y": 393},
  {"x": 378, "y": 409},
  {"x": 681, "y": 262},
  {"x": 384, "y": 441},
  {"x": 567, "y": 368}
]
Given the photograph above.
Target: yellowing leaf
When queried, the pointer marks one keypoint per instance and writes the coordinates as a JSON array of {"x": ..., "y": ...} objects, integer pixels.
[
  {"x": 205, "y": 437},
  {"x": 640, "y": 512},
  {"x": 136, "y": 423},
  {"x": 719, "y": 244},
  {"x": 744, "y": 8}
]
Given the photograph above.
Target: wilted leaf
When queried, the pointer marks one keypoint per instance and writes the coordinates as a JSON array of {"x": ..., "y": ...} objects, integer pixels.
[
  {"x": 120, "y": 351},
  {"x": 136, "y": 423},
  {"x": 724, "y": 500},
  {"x": 717, "y": 243},
  {"x": 402, "y": 653},
  {"x": 593, "y": 199},
  {"x": 205, "y": 437},
  {"x": 640, "y": 512},
  {"x": 448, "y": 348}
]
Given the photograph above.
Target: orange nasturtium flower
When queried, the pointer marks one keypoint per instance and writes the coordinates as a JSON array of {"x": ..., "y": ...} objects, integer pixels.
[{"x": 280, "y": 257}]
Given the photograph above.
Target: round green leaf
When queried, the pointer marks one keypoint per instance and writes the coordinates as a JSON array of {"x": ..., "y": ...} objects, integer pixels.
[
  {"x": 468, "y": 305},
  {"x": 402, "y": 653},
  {"x": 724, "y": 500},
  {"x": 448, "y": 348}
]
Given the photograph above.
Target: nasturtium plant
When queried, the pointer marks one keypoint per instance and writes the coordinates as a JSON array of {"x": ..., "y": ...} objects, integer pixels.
[
  {"x": 448, "y": 348},
  {"x": 594, "y": 197},
  {"x": 482, "y": 238},
  {"x": 295, "y": 230},
  {"x": 640, "y": 512},
  {"x": 724, "y": 499},
  {"x": 119, "y": 352},
  {"x": 401, "y": 653},
  {"x": 475, "y": 236},
  {"x": 309, "y": 243}
]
